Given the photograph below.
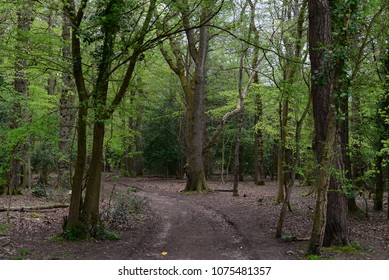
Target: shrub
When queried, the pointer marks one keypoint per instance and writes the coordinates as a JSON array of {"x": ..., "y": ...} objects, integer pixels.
[{"x": 122, "y": 211}]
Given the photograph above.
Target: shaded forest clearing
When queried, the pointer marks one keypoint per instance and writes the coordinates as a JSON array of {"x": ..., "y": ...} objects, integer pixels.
[{"x": 168, "y": 224}]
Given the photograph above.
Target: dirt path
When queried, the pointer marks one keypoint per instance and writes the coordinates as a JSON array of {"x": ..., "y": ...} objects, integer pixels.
[
  {"x": 186, "y": 230},
  {"x": 187, "y": 226},
  {"x": 211, "y": 226}
]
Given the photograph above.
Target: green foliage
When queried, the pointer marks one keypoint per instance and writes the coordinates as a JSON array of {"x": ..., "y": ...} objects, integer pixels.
[
  {"x": 21, "y": 254},
  {"x": 4, "y": 228},
  {"x": 288, "y": 237},
  {"x": 39, "y": 190},
  {"x": 103, "y": 234},
  {"x": 314, "y": 257},
  {"x": 163, "y": 135},
  {"x": 352, "y": 248},
  {"x": 77, "y": 232}
]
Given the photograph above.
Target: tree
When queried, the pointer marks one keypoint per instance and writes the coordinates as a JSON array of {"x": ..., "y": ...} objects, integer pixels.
[
  {"x": 67, "y": 113},
  {"x": 194, "y": 85},
  {"x": 383, "y": 126},
  {"x": 258, "y": 140},
  {"x": 121, "y": 32},
  {"x": 110, "y": 58},
  {"x": 20, "y": 168},
  {"x": 330, "y": 107},
  {"x": 320, "y": 41}
]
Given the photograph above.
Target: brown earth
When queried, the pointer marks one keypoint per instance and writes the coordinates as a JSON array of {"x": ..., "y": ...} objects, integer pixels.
[{"x": 175, "y": 225}]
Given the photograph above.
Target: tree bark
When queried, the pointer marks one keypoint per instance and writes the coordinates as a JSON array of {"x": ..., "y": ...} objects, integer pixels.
[
  {"x": 258, "y": 117},
  {"x": 66, "y": 111},
  {"x": 193, "y": 85},
  {"x": 79, "y": 167},
  {"x": 320, "y": 41},
  {"x": 194, "y": 167},
  {"x": 20, "y": 170},
  {"x": 327, "y": 109}
]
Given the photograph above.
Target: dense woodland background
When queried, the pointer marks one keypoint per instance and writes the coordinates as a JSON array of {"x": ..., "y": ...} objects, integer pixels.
[{"x": 296, "y": 91}]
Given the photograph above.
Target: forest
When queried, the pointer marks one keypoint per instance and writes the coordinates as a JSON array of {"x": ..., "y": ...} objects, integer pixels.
[{"x": 217, "y": 107}]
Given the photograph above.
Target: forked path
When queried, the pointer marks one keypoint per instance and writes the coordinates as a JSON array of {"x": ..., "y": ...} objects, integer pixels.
[{"x": 201, "y": 227}]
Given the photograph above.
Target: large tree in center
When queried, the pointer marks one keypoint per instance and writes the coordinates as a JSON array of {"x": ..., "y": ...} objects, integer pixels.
[{"x": 193, "y": 83}]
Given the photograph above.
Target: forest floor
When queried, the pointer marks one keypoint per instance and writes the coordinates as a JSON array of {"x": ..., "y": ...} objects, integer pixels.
[{"x": 168, "y": 224}]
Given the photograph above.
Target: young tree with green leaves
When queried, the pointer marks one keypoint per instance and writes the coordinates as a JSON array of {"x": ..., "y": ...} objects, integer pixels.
[{"x": 115, "y": 51}]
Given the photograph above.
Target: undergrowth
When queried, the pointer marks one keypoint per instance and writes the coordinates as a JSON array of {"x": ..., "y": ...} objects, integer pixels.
[
  {"x": 122, "y": 211},
  {"x": 352, "y": 248},
  {"x": 4, "y": 228}
]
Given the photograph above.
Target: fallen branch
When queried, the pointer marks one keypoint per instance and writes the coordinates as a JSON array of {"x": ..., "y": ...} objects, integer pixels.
[{"x": 34, "y": 208}]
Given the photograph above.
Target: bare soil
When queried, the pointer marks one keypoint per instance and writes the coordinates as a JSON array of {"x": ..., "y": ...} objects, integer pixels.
[{"x": 176, "y": 225}]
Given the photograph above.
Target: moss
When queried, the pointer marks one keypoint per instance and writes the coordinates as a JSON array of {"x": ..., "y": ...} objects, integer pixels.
[
  {"x": 36, "y": 215},
  {"x": 352, "y": 248},
  {"x": 314, "y": 257}
]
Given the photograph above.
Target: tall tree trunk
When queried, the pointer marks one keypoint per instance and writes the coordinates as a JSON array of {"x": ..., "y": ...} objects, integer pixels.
[
  {"x": 66, "y": 111},
  {"x": 237, "y": 157},
  {"x": 320, "y": 40},
  {"x": 280, "y": 158},
  {"x": 383, "y": 124},
  {"x": 326, "y": 107},
  {"x": 20, "y": 170},
  {"x": 194, "y": 167},
  {"x": 258, "y": 118},
  {"x": 258, "y": 140},
  {"x": 79, "y": 167},
  {"x": 90, "y": 209},
  {"x": 336, "y": 227}
]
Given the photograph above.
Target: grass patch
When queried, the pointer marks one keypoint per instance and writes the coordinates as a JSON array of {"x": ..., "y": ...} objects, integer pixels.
[
  {"x": 21, "y": 254},
  {"x": 4, "y": 228},
  {"x": 352, "y": 248},
  {"x": 108, "y": 235},
  {"x": 314, "y": 257},
  {"x": 288, "y": 237}
]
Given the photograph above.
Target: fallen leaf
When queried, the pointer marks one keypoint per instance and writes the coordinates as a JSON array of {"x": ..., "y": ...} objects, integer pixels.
[{"x": 164, "y": 253}]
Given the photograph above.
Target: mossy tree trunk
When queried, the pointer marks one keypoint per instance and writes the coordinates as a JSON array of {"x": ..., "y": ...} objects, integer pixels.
[
  {"x": 193, "y": 84},
  {"x": 195, "y": 113},
  {"x": 66, "y": 111},
  {"x": 328, "y": 92},
  {"x": 320, "y": 40}
]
